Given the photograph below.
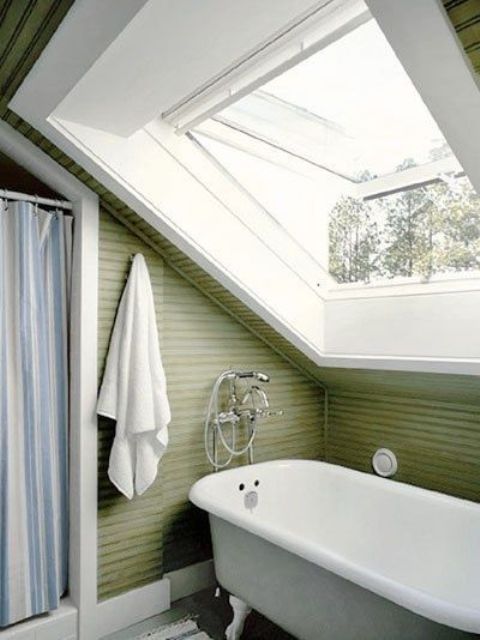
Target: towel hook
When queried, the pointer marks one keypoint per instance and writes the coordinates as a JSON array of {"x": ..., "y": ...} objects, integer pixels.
[{"x": 130, "y": 262}]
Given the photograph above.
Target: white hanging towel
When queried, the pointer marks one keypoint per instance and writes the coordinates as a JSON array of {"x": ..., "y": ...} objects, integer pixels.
[{"x": 134, "y": 389}]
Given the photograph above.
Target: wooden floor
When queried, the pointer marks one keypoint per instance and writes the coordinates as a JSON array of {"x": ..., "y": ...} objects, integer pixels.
[{"x": 213, "y": 615}]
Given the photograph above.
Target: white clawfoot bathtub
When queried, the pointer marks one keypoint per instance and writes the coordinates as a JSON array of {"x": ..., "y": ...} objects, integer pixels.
[{"x": 334, "y": 554}]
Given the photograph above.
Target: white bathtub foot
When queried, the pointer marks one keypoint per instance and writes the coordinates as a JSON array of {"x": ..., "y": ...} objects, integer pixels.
[{"x": 240, "y": 613}]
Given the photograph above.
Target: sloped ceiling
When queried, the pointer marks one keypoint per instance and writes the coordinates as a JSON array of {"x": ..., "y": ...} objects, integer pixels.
[{"x": 27, "y": 26}]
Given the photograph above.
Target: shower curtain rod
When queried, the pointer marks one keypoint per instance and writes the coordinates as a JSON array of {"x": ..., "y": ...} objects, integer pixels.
[{"x": 6, "y": 194}]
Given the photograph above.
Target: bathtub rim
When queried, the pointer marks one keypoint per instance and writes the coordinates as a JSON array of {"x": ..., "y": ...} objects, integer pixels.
[{"x": 464, "y": 618}]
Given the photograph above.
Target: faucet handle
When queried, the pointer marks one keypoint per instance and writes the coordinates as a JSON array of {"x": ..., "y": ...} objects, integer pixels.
[
  {"x": 268, "y": 413},
  {"x": 227, "y": 416}
]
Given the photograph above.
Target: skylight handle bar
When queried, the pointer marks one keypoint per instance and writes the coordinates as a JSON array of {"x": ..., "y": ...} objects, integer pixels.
[
  {"x": 6, "y": 194},
  {"x": 270, "y": 59}
]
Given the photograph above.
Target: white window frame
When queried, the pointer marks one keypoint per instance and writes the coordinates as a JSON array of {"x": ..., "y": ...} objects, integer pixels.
[
  {"x": 298, "y": 160},
  {"x": 323, "y": 24}
]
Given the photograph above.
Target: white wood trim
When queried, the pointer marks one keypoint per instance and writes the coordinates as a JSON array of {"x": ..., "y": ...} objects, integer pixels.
[
  {"x": 131, "y": 607},
  {"x": 439, "y": 283},
  {"x": 247, "y": 125},
  {"x": 83, "y": 494},
  {"x": 414, "y": 177},
  {"x": 83, "y": 424},
  {"x": 276, "y": 155},
  {"x": 393, "y": 362},
  {"x": 196, "y": 577},
  {"x": 60, "y": 624}
]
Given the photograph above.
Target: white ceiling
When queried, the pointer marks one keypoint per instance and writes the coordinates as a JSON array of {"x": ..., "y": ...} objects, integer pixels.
[{"x": 167, "y": 51}]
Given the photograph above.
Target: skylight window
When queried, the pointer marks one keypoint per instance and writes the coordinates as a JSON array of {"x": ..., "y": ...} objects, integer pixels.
[
  {"x": 343, "y": 152},
  {"x": 358, "y": 84}
]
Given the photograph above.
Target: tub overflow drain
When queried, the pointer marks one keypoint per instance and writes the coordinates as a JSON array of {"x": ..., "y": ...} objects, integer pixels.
[{"x": 384, "y": 463}]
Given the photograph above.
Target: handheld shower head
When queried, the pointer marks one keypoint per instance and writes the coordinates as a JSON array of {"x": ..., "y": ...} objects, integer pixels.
[{"x": 261, "y": 377}]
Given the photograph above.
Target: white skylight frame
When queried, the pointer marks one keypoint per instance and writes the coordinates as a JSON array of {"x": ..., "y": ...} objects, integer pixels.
[
  {"x": 250, "y": 116},
  {"x": 327, "y": 21},
  {"x": 241, "y": 136},
  {"x": 300, "y": 159}
]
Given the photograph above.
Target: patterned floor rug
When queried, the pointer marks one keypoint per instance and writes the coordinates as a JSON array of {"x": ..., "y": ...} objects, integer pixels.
[{"x": 185, "y": 629}]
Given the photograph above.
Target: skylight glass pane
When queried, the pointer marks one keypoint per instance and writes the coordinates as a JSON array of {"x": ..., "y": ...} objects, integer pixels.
[{"x": 351, "y": 108}]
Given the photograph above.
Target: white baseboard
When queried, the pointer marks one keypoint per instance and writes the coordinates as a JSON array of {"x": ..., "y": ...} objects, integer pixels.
[
  {"x": 191, "y": 579},
  {"x": 60, "y": 624},
  {"x": 132, "y": 607},
  {"x": 142, "y": 603}
]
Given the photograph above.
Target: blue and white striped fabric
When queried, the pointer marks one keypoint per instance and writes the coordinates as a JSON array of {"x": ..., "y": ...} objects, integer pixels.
[{"x": 34, "y": 263}]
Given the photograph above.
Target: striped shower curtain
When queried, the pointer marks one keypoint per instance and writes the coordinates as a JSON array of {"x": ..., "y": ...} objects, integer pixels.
[{"x": 34, "y": 290}]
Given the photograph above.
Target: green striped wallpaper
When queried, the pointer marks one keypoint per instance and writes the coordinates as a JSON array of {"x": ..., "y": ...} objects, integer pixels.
[
  {"x": 437, "y": 443},
  {"x": 431, "y": 421},
  {"x": 123, "y": 561},
  {"x": 160, "y": 531}
]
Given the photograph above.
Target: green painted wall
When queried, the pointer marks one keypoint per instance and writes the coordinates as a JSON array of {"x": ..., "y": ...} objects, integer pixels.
[
  {"x": 437, "y": 443},
  {"x": 160, "y": 531},
  {"x": 431, "y": 421}
]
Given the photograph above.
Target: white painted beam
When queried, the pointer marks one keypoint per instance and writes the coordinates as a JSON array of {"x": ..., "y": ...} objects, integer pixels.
[
  {"x": 102, "y": 22},
  {"x": 407, "y": 179},
  {"x": 316, "y": 29},
  {"x": 425, "y": 42},
  {"x": 237, "y": 139}
]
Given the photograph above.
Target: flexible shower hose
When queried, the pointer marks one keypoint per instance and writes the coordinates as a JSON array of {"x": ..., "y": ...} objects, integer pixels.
[{"x": 212, "y": 421}]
